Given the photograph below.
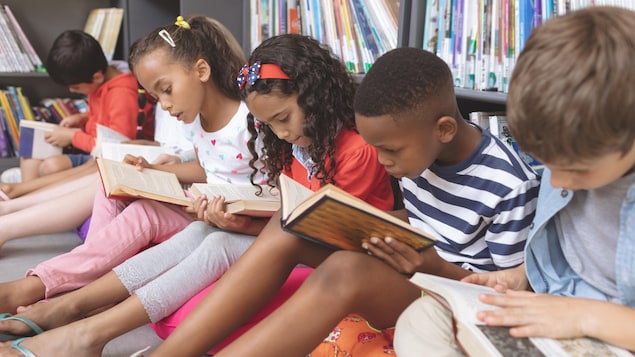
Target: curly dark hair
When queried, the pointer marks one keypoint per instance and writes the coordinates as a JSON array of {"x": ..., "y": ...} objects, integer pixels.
[
  {"x": 325, "y": 95},
  {"x": 207, "y": 39}
]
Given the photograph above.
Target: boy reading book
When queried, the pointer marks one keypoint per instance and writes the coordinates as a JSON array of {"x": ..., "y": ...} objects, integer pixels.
[
  {"x": 580, "y": 254},
  {"x": 77, "y": 61},
  {"x": 460, "y": 184}
]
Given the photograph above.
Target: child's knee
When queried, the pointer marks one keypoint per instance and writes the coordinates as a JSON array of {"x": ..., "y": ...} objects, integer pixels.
[
  {"x": 54, "y": 164},
  {"x": 345, "y": 271}
]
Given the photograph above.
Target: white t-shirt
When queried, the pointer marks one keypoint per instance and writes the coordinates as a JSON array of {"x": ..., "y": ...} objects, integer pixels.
[{"x": 224, "y": 154}]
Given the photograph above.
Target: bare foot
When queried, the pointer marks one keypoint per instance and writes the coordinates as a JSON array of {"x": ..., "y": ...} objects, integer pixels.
[
  {"x": 20, "y": 292},
  {"x": 62, "y": 342},
  {"x": 47, "y": 315}
]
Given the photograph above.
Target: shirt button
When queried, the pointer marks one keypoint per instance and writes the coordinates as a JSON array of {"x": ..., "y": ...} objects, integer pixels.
[
  {"x": 564, "y": 193},
  {"x": 531, "y": 226}
]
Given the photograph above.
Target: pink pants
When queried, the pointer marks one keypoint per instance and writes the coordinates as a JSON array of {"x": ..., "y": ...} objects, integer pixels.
[{"x": 118, "y": 230}]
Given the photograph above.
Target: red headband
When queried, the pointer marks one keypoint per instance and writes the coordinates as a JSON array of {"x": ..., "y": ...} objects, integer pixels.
[{"x": 250, "y": 74}]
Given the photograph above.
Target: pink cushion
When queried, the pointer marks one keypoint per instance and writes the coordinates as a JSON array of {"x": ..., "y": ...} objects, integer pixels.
[{"x": 166, "y": 326}]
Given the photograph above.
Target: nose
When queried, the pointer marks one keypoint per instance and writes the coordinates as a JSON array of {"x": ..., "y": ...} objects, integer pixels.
[
  {"x": 384, "y": 160},
  {"x": 165, "y": 105}
]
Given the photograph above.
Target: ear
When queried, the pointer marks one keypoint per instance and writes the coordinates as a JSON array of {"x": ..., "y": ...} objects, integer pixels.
[
  {"x": 203, "y": 70},
  {"x": 99, "y": 77},
  {"x": 445, "y": 129}
]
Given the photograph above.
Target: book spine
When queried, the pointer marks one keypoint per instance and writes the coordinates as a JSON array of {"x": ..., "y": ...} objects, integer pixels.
[
  {"x": 35, "y": 59},
  {"x": 25, "y": 104},
  {"x": 5, "y": 144},
  {"x": 293, "y": 21},
  {"x": 7, "y": 53},
  {"x": 12, "y": 126},
  {"x": 366, "y": 28}
]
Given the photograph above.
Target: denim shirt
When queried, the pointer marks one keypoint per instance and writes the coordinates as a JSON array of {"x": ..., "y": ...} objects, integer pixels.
[{"x": 545, "y": 264}]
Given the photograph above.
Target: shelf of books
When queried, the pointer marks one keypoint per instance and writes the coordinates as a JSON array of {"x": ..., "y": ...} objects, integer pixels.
[
  {"x": 480, "y": 40},
  {"x": 23, "y": 76},
  {"x": 17, "y": 53},
  {"x": 15, "y": 108},
  {"x": 357, "y": 31}
]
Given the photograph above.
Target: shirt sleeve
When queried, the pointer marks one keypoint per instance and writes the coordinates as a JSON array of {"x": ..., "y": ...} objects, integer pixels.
[
  {"x": 360, "y": 174},
  {"x": 117, "y": 110}
]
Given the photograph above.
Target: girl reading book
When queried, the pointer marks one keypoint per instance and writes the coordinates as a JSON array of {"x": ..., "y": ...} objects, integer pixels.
[
  {"x": 302, "y": 98},
  {"x": 189, "y": 67}
]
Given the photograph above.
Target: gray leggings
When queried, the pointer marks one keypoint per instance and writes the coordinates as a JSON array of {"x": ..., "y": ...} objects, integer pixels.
[{"x": 165, "y": 276}]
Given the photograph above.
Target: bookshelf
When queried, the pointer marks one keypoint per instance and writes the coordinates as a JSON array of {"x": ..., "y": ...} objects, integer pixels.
[{"x": 469, "y": 100}]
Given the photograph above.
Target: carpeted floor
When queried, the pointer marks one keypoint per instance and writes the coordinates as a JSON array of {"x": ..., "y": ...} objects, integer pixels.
[{"x": 19, "y": 255}]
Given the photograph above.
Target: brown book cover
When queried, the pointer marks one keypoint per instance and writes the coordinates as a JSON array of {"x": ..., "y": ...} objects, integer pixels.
[
  {"x": 124, "y": 181},
  {"x": 335, "y": 218}
]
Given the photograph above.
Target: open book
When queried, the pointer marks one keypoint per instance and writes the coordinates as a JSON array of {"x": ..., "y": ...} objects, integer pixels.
[
  {"x": 121, "y": 180},
  {"x": 477, "y": 339},
  {"x": 32, "y": 142},
  {"x": 335, "y": 218},
  {"x": 241, "y": 199},
  {"x": 110, "y": 145}
]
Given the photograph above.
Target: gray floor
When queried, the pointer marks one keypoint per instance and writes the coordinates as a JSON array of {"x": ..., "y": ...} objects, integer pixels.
[{"x": 19, "y": 255}]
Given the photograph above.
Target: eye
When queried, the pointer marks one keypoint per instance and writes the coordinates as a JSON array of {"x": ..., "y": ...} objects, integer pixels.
[
  {"x": 167, "y": 90},
  {"x": 284, "y": 119}
]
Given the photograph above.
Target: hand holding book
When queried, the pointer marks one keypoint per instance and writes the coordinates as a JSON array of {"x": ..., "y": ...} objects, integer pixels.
[{"x": 337, "y": 219}]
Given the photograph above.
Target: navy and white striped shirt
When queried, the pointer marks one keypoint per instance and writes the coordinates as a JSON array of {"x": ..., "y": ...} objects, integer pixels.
[{"x": 480, "y": 210}]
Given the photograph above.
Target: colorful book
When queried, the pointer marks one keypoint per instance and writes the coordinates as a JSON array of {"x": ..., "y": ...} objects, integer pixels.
[{"x": 33, "y": 144}]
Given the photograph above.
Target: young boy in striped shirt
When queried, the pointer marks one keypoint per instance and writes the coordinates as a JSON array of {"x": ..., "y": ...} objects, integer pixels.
[{"x": 459, "y": 183}]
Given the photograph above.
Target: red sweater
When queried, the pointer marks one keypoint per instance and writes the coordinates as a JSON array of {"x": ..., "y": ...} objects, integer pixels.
[
  {"x": 114, "y": 104},
  {"x": 358, "y": 171}
]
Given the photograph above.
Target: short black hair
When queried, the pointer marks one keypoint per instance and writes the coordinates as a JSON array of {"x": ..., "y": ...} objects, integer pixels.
[
  {"x": 74, "y": 57},
  {"x": 402, "y": 80}
]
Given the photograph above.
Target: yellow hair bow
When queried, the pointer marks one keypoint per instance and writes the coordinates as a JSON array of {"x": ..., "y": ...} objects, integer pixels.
[{"x": 180, "y": 22}]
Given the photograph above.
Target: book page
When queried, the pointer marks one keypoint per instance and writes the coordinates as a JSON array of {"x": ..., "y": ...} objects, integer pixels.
[
  {"x": 106, "y": 135},
  {"x": 292, "y": 194},
  {"x": 125, "y": 178},
  {"x": 462, "y": 297},
  {"x": 578, "y": 347},
  {"x": 464, "y": 303},
  {"x": 233, "y": 192},
  {"x": 117, "y": 151}
]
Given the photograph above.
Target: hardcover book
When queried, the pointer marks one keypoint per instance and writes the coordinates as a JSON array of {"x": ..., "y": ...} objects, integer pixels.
[
  {"x": 241, "y": 199},
  {"x": 124, "y": 181},
  {"x": 33, "y": 144},
  {"x": 337, "y": 219},
  {"x": 478, "y": 339}
]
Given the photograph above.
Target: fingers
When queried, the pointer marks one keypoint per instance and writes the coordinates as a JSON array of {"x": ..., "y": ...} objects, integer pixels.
[{"x": 398, "y": 255}]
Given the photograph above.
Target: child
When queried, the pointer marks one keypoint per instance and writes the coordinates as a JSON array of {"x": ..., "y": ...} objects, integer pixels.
[
  {"x": 77, "y": 61},
  {"x": 74, "y": 191},
  {"x": 190, "y": 78},
  {"x": 580, "y": 252},
  {"x": 485, "y": 197},
  {"x": 285, "y": 100}
]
